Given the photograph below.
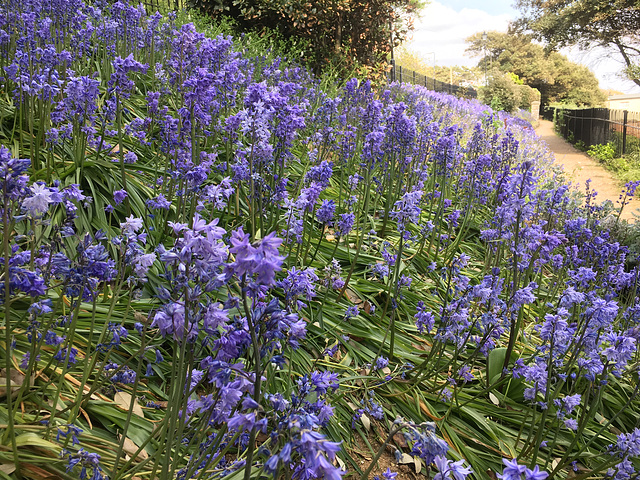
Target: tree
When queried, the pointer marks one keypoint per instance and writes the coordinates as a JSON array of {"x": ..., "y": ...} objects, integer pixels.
[
  {"x": 586, "y": 23},
  {"x": 347, "y": 32},
  {"x": 505, "y": 91},
  {"x": 500, "y": 93},
  {"x": 557, "y": 78}
]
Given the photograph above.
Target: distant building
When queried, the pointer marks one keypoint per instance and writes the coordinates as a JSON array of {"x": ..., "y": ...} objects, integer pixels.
[{"x": 630, "y": 102}]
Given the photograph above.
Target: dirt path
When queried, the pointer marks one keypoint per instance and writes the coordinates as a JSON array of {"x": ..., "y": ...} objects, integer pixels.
[{"x": 581, "y": 167}]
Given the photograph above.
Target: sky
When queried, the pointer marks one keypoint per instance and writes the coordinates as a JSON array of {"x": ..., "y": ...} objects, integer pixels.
[{"x": 445, "y": 24}]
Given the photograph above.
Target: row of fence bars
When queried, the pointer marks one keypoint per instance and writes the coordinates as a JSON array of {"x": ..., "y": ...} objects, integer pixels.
[
  {"x": 152, "y": 6},
  {"x": 598, "y": 126},
  {"x": 404, "y": 75}
]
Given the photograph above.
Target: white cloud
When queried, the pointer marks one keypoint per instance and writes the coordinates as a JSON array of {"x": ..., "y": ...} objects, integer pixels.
[{"x": 442, "y": 30}]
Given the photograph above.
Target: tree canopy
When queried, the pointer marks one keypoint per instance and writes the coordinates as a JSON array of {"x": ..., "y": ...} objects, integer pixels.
[
  {"x": 557, "y": 78},
  {"x": 586, "y": 23},
  {"x": 349, "y": 32}
]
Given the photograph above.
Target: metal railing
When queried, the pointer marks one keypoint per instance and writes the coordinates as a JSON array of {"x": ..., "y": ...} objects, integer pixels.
[
  {"x": 404, "y": 75},
  {"x": 598, "y": 126},
  {"x": 152, "y": 6}
]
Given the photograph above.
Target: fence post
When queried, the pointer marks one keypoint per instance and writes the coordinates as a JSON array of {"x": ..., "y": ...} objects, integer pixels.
[
  {"x": 624, "y": 131},
  {"x": 400, "y": 73},
  {"x": 393, "y": 70},
  {"x": 414, "y": 77}
]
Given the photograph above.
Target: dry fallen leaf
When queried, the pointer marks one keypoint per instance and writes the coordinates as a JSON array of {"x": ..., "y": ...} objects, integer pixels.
[
  {"x": 8, "y": 468},
  {"x": 17, "y": 379},
  {"x": 365, "y": 421},
  {"x": 351, "y": 295},
  {"x": 131, "y": 448},
  {"x": 123, "y": 400},
  {"x": 367, "y": 307}
]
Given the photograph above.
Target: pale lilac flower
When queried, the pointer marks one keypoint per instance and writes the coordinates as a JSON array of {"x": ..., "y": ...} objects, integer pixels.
[{"x": 38, "y": 203}]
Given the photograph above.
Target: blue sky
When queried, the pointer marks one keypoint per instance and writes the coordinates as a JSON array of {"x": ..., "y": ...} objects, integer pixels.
[{"x": 445, "y": 24}]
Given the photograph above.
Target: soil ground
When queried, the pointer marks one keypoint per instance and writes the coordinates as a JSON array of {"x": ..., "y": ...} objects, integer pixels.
[{"x": 580, "y": 167}]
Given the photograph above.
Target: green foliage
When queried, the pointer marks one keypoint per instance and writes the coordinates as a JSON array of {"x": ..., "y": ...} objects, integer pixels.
[
  {"x": 526, "y": 96},
  {"x": 580, "y": 145},
  {"x": 515, "y": 78},
  {"x": 342, "y": 34},
  {"x": 603, "y": 153},
  {"x": 503, "y": 93},
  {"x": 552, "y": 74},
  {"x": 586, "y": 23},
  {"x": 499, "y": 93}
]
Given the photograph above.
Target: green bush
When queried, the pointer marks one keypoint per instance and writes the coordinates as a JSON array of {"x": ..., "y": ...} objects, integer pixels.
[
  {"x": 526, "y": 96},
  {"x": 606, "y": 154},
  {"x": 500, "y": 93}
]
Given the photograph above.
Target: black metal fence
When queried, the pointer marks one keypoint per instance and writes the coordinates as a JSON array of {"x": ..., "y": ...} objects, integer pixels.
[
  {"x": 404, "y": 75},
  {"x": 598, "y": 126},
  {"x": 152, "y": 6}
]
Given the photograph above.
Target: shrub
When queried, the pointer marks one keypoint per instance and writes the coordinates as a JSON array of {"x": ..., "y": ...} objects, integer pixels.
[
  {"x": 500, "y": 93},
  {"x": 606, "y": 154}
]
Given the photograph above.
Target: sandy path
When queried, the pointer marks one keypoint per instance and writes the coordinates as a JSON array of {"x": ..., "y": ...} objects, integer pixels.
[{"x": 581, "y": 167}]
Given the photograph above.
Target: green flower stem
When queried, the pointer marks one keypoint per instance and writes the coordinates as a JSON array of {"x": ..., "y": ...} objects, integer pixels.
[
  {"x": 9, "y": 436},
  {"x": 257, "y": 371}
]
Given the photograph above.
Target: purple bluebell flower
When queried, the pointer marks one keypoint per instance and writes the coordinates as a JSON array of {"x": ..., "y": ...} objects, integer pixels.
[
  {"x": 261, "y": 258},
  {"x": 381, "y": 362},
  {"x": 424, "y": 319},
  {"x": 119, "y": 196},
  {"x": 407, "y": 209},
  {"x": 119, "y": 374},
  {"x": 299, "y": 283},
  {"x": 465, "y": 373},
  {"x": 326, "y": 211},
  {"x": 512, "y": 470},
  {"x": 345, "y": 224},
  {"x": 352, "y": 311},
  {"x": 130, "y": 157},
  {"x": 88, "y": 462},
  {"x": 448, "y": 469},
  {"x": 69, "y": 430},
  {"x": 332, "y": 274},
  {"x": 131, "y": 225}
]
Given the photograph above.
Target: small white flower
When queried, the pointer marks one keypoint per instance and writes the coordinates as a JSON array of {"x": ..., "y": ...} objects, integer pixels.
[
  {"x": 132, "y": 225},
  {"x": 37, "y": 204}
]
